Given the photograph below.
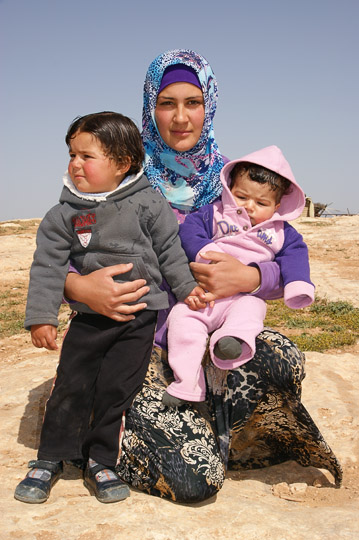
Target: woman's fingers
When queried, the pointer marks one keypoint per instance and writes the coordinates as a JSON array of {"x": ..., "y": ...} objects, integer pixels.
[
  {"x": 106, "y": 296},
  {"x": 227, "y": 276}
]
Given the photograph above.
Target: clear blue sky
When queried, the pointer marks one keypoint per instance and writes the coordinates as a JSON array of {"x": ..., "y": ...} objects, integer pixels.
[{"x": 287, "y": 72}]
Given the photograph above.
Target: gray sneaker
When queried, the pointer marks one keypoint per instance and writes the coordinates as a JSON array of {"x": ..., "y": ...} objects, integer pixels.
[
  {"x": 105, "y": 484},
  {"x": 37, "y": 484}
]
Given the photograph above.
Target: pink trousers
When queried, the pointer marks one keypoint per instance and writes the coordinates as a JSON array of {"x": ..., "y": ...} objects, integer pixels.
[{"x": 240, "y": 316}]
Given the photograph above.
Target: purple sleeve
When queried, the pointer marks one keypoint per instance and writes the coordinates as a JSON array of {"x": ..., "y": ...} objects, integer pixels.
[
  {"x": 293, "y": 258},
  {"x": 271, "y": 287},
  {"x": 197, "y": 231},
  {"x": 73, "y": 269}
]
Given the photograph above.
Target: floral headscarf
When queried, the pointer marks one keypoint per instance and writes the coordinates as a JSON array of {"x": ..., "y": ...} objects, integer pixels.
[{"x": 190, "y": 179}]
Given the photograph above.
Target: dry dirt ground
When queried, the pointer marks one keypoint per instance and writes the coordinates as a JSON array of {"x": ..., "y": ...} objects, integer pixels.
[{"x": 282, "y": 502}]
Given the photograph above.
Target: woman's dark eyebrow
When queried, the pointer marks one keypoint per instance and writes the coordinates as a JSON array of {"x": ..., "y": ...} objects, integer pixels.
[{"x": 189, "y": 97}]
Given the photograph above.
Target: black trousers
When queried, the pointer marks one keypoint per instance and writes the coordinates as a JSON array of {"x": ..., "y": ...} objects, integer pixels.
[{"x": 102, "y": 367}]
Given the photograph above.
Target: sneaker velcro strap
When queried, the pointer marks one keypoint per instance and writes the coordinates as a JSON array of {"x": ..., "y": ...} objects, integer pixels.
[
  {"x": 97, "y": 468},
  {"x": 52, "y": 466}
]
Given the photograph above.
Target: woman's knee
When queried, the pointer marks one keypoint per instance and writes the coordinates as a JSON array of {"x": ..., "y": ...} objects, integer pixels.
[{"x": 194, "y": 488}]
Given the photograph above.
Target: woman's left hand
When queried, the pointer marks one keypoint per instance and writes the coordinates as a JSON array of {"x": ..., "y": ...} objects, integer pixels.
[{"x": 225, "y": 276}]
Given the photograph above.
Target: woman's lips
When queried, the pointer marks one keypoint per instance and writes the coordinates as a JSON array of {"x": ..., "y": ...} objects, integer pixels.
[{"x": 181, "y": 133}]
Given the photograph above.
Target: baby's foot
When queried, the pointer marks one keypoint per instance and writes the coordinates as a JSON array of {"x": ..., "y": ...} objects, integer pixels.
[
  {"x": 172, "y": 401},
  {"x": 228, "y": 348}
]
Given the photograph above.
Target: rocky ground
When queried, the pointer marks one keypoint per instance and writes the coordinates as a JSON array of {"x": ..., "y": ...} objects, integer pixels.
[{"x": 278, "y": 503}]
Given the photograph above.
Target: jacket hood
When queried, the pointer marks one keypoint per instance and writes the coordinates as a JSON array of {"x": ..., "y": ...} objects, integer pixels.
[
  {"x": 272, "y": 158},
  {"x": 129, "y": 185}
]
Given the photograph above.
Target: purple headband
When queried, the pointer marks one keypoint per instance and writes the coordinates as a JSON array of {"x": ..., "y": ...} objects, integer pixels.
[{"x": 179, "y": 73}]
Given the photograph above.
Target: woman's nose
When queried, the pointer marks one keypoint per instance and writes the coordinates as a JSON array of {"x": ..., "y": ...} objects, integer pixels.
[{"x": 180, "y": 114}]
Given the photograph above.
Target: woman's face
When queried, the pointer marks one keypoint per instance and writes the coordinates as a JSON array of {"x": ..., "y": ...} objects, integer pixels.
[{"x": 180, "y": 115}]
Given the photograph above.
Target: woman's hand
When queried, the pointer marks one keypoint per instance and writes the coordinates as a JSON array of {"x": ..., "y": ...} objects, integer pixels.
[
  {"x": 225, "y": 276},
  {"x": 101, "y": 293}
]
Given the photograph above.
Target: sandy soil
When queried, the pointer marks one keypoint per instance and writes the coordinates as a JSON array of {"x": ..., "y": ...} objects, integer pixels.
[{"x": 282, "y": 502}]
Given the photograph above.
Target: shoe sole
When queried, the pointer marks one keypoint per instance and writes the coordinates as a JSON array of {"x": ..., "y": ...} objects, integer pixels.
[
  {"x": 106, "y": 500},
  {"x": 29, "y": 501}
]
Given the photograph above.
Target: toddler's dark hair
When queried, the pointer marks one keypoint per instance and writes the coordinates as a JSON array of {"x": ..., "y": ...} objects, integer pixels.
[
  {"x": 118, "y": 135},
  {"x": 260, "y": 174}
]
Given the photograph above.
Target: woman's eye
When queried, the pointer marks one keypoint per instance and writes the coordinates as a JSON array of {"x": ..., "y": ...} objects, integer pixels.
[{"x": 165, "y": 103}]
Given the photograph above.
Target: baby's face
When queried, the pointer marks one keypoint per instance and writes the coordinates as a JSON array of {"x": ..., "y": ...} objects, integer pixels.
[
  {"x": 258, "y": 199},
  {"x": 90, "y": 169}
]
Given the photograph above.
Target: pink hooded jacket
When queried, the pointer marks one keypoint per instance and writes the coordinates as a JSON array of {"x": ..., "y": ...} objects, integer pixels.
[{"x": 233, "y": 233}]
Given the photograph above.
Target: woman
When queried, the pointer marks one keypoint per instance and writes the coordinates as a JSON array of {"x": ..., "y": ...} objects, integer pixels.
[{"x": 254, "y": 415}]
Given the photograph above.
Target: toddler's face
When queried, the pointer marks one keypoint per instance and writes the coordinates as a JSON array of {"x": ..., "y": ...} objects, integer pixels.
[
  {"x": 90, "y": 169},
  {"x": 258, "y": 199}
]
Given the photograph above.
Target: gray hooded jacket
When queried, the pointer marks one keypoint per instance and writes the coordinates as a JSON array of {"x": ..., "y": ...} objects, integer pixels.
[{"x": 133, "y": 224}]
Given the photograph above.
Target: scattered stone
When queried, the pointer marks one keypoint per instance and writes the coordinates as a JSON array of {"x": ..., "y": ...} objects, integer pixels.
[{"x": 298, "y": 488}]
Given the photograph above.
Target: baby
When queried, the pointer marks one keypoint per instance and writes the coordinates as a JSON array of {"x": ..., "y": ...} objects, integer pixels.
[{"x": 250, "y": 222}]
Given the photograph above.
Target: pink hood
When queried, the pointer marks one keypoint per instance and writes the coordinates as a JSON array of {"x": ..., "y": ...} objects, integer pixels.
[{"x": 271, "y": 157}]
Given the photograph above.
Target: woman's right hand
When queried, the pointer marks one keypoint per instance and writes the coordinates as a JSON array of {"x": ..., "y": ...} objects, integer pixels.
[
  {"x": 102, "y": 294},
  {"x": 225, "y": 276}
]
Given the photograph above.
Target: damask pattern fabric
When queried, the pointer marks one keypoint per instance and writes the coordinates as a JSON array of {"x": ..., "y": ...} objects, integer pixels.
[
  {"x": 190, "y": 179},
  {"x": 255, "y": 419}
]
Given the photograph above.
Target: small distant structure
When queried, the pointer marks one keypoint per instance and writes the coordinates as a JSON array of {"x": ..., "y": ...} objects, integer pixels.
[
  {"x": 320, "y": 208},
  {"x": 308, "y": 210},
  {"x": 313, "y": 210}
]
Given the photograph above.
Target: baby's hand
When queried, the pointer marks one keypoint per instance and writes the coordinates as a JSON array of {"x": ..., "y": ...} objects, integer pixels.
[
  {"x": 44, "y": 335},
  {"x": 196, "y": 299},
  {"x": 210, "y": 298}
]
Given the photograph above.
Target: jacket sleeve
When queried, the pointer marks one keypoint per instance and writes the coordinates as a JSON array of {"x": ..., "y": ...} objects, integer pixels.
[
  {"x": 171, "y": 256},
  {"x": 271, "y": 287},
  {"x": 197, "y": 231},
  {"x": 48, "y": 270},
  {"x": 293, "y": 260}
]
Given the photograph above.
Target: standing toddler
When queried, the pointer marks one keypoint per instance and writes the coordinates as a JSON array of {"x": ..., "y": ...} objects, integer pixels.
[{"x": 108, "y": 214}]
